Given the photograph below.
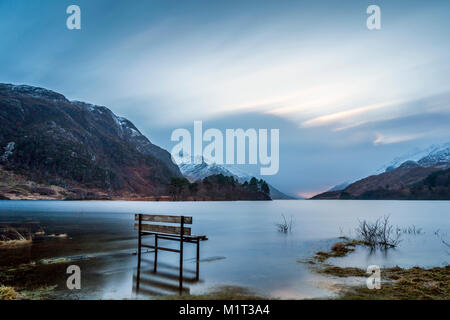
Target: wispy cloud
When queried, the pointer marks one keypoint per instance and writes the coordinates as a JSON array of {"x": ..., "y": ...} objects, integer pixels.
[
  {"x": 352, "y": 115},
  {"x": 382, "y": 139}
]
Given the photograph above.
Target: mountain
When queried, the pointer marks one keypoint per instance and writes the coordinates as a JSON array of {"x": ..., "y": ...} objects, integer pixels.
[
  {"x": 341, "y": 186},
  {"x": 194, "y": 172},
  {"x": 56, "y": 148},
  {"x": 429, "y": 157},
  {"x": 424, "y": 176}
]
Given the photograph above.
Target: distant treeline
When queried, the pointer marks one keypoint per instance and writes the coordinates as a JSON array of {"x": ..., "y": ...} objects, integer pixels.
[{"x": 216, "y": 188}]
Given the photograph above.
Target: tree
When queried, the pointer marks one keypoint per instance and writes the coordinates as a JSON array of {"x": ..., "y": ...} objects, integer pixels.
[
  {"x": 193, "y": 188},
  {"x": 265, "y": 187},
  {"x": 176, "y": 187},
  {"x": 253, "y": 185}
]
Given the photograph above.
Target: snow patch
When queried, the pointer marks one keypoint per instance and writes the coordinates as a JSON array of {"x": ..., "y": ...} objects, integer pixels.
[
  {"x": 8, "y": 150},
  {"x": 428, "y": 157},
  {"x": 123, "y": 123},
  {"x": 134, "y": 133},
  {"x": 202, "y": 170}
]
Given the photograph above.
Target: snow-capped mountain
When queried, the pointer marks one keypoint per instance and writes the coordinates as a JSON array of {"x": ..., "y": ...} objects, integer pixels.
[
  {"x": 194, "y": 172},
  {"x": 418, "y": 175},
  {"x": 435, "y": 155}
]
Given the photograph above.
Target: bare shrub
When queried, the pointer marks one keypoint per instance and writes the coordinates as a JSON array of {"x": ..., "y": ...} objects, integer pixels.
[
  {"x": 445, "y": 242},
  {"x": 285, "y": 227},
  {"x": 412, "y": 230},
  {"x": 379, "y": 234}
]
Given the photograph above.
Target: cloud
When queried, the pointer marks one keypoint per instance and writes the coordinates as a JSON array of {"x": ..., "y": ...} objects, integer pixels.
[
  {"x": 348, "y": 116},
  {"x": 381, "y": 139}
]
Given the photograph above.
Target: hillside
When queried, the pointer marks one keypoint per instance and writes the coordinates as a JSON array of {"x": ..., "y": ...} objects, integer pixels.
[
  {"x": 79, "y": 149},
  {"x": 410, "y": 181}
]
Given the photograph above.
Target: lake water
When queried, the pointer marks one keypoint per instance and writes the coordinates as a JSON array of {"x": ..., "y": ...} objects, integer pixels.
[{"x": 244, "y": 248}]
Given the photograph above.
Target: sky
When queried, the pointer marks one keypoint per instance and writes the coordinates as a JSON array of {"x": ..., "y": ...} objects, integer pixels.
[{"x": 346, "y": 99}]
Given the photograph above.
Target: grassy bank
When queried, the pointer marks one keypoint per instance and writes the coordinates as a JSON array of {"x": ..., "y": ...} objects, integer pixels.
[
  {"x": 397, "y": 283},
  {"x": 29, "y": 281}
]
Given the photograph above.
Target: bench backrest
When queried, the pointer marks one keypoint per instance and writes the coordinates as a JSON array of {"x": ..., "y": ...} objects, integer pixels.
[{"x": 158, "y": 228}]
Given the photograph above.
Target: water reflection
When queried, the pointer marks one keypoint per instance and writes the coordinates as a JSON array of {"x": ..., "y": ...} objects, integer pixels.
[{"x": 165, "y": 281}]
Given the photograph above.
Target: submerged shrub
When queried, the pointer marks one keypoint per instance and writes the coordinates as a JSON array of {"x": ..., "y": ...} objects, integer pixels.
[
  {"x": 285, "y": 227},
  {"x": 379, "y": 233}
]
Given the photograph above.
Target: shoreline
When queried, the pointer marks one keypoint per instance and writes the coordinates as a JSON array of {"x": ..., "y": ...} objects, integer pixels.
[
  {"x": 415, "y": 283},
  {"x": 78, "y": 239}
]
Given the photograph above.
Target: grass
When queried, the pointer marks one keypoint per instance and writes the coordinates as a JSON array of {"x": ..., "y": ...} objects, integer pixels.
[
  {"x": 402, "y": 284},
  {"x": 342, "y": 272},
  {"x": 43, "y": 293},
  {"x": 397, "y": 283},
  {"x": 11, "y": 238},
  {"x": 8, "y": 293},
  {"x": 32, "y": 281},
  {"x": 339, "y": 249},
  {"x": 14, "y": 243}
]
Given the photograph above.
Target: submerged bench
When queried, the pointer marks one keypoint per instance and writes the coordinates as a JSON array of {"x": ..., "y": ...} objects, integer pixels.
[{"x": 146, "y": 227}]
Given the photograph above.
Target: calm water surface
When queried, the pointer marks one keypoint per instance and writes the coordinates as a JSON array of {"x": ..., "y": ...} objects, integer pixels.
[{"x": 244, "y": 247}]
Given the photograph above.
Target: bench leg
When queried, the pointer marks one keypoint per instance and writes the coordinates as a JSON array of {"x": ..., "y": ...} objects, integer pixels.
[
  {"x": 197, "y": 273},
  {"x": 139, "y": 251},
  {"x": 181, "y": 254},
  {"x": 139, "y": 255},
  {"x": 156, "y": 253},
  {"x": 139, "y": 242},
  {"x": 181, "y": 266}
]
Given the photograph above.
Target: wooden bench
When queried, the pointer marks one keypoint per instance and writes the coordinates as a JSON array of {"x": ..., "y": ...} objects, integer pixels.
[{"x": 146, "y": 226}]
